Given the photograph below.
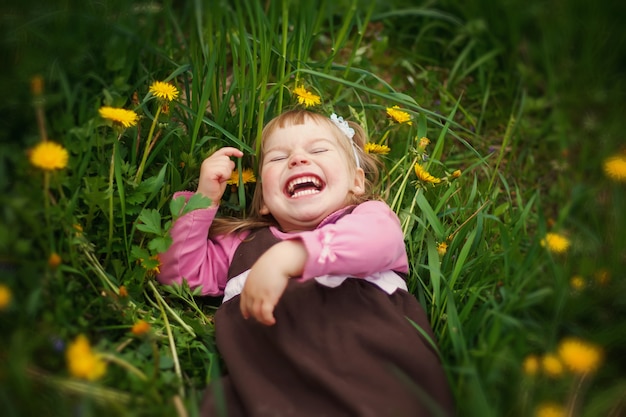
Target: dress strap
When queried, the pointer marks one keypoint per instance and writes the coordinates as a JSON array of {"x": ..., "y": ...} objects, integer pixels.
[{"x": 252, "y": 247}]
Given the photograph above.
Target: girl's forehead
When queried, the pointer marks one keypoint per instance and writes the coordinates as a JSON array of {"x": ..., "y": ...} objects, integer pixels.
[{"x": 294, "y": 133}]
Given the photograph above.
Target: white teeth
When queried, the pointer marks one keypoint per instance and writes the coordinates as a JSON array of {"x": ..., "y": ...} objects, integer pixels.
[
  {"x": 301, "y": 180},
  {"x": 304, "y": 192}
]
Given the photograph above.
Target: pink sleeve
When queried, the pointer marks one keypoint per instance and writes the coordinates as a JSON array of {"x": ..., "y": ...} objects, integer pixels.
[
  {"x": 193, "y": 257},
  {"x": 365, "y": 241}
]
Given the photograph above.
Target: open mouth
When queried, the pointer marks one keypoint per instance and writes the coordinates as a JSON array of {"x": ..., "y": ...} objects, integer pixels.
[{"x": 302, "y": 186}]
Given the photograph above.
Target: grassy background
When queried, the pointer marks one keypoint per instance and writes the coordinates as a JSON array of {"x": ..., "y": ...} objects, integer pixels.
[{"x": 526, "y": 98}]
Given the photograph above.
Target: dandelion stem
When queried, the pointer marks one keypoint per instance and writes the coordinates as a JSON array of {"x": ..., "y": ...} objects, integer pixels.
[
  {"x": 170, "y": 338},
  {"x": 383, "y": 139},
  {"x": 46, "y": 201},
  {"x": 172, "y": 312},
  {"x": 451, "y": 236},
  {"x": 110, "y": 195},
  {"x": 395, "y": 205},
  {"x": 407, "y": 220},
  {"x": 122, "y": 345},
  {"x": 41, "y": 120},
  {"x": 124, "y": 364},
  {"x": 149, "y": 141},
  {"x": 100, "y": 272},
  {"x": 572, "y": 402},
  {"x": 98, "y": 393},
  {"x": 391, "y": 184},
  {"x": 181, "y": 411}
]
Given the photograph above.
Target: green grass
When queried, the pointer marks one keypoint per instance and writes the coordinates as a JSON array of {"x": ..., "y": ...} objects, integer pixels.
[{"x": 525, "y": 98}]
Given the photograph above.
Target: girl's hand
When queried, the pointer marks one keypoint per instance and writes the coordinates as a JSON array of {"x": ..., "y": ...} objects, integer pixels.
[
  {"x": 268, "y": 279},
  {"x": 215, "y": 172}
]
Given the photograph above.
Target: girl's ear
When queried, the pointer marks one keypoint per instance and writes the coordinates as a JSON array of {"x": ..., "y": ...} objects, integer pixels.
[
  {"x": 264, "y": 211},
  {"x": 358, "y": 188}
]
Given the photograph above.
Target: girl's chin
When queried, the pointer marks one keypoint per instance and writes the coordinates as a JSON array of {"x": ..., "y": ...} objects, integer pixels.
[{"x": 308, "y": 219}]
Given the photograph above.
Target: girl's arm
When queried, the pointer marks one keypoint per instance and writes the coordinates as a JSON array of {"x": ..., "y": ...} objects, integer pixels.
[
  {"x": 268, "y": 279},
  {"x": 193, "y": 257},
  {"x": 365, "y": 241}
]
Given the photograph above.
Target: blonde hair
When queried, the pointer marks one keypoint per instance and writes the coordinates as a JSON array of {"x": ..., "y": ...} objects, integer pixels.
[{"x": 369, "y": 163}]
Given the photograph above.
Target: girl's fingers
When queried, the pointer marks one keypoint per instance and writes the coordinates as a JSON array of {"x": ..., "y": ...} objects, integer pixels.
[
  {"x": 261, "y": 310},
  {"x": 256, "y": 310},
  {"x": 266, "y": 314},
  {"x": 228, "y": 151},
  {"x": 225, "y": 171},
  {"x": 243, "y": 306}
]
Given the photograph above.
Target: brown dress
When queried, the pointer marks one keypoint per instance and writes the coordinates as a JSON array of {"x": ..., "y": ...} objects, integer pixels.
[{"x": 344, "y": 351}]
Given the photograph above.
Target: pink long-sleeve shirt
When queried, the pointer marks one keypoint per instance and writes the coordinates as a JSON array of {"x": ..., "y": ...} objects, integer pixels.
[{"x": 366, "y": 241}]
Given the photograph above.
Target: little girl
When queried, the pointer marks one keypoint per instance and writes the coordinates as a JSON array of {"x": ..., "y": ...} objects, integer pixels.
[{"x": 316, "y": 319}]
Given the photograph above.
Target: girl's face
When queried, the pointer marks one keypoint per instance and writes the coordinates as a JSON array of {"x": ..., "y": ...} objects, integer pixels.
[{"x": 306, "y": 175}]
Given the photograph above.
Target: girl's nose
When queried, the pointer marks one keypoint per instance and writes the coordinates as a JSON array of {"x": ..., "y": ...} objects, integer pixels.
[{"x": 298, "y": 159}]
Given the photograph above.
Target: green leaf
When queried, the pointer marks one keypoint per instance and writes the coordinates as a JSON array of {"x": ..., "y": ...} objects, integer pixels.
[
  {"x": 460, "y": 262},
  {"x": 197, "y": 201},
  {"x": 155, "y": 184},
  {"x": 430, "y": 215},
  {"x": 160, "y": 244},
  {"x": 149, "y": 263},
  {"x": 166, "y": 362},
  {"x": 434, "y": 269},
  {"x": 149, "y": 221},
  {"x": 135, "y": 198},
  {"x": 176, "y": 206},
  {"x": 139, "y": 253},
  {"x": 402, "y": 96}
]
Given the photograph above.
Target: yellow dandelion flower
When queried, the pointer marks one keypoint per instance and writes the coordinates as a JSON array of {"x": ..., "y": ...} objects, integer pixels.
[
  {"x": 36, "y": 85},
  {"x": 164, "y": 91},
  {"x": 551, "y": 365},
  {"x": 140, "y": 327},
  {"x": 615, "y": 167},
  {"x": 377, "y": 149},
  {"x": 54, "y": 260},
  {"x": 49, "y": 156},
  {"x": 555, "y": 242},
  {"x": 456, "y": 174},
  {"x": 602, "y": 277},
  {"x": 398, "y": 115},
  {"x": 82, "y": 362},
  {"x": 442, "y": 248},
  {"x": 246, "y": 176},
  {"x": 122, "y": 291},
  {"x": 123, "y": 117},
  {"x": 425, "y": 176},
  {"x": 153, "y": 265},
  {"x": 579, "y": 356},
  {"x": 306, "y": 97},
  {"x": 5, "y": 296},
  {"x": 423, "y": 143},
  {"x": 577, "y": 282},
  {"x": 157, "y": 268},
  {"x": 550, "y": 410},
  {"x": 531, "y": 365}
]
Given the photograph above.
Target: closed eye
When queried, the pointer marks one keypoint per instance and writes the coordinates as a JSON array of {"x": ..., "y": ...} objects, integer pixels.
[
  {"x": 319, "y": 150},
  {"x": 277, "y": 158}
]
